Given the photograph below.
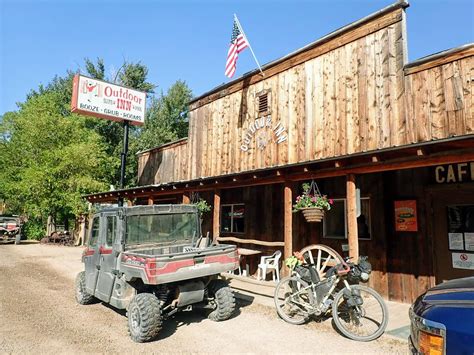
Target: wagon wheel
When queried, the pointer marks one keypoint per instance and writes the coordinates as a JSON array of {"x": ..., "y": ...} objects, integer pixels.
[{"x": 322, "y": 256}]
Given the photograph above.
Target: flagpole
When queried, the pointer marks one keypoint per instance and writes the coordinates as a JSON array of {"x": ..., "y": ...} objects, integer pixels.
[{"x": 251, "y": 50}]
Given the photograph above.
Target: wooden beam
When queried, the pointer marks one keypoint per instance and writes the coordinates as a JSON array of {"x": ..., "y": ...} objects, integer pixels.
[
  {"x": 352, "y": 234},
  {"x": 288, "y": 221},
  {"x": 216, "y": 221},
  {"x": 440, "y": 61},
  {"x": 404, "y": 163},
  {"x": 250, "y": 241}
]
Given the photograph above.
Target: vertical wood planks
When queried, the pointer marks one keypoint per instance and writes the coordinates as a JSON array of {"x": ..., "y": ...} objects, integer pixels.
[
  {"x": 362, "y": 99},
  {"x": 308, "y": 103},
  {"x": 371, "y": 127},
  {"x": 352, "y": 99},
  {"x": 467, "y": 66},
  {"x": 318, "y": 109}
]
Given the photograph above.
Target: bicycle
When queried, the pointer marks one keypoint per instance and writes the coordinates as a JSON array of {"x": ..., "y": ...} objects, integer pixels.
[{"x": 314, "y": 288}]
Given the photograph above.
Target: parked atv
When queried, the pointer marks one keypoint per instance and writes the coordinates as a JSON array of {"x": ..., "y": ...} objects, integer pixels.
[
  {"x": 153, "y": 262},
  {"x": 10, "y": 228}
]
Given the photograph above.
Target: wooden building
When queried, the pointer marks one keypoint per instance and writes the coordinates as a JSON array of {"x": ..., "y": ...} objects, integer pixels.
[{"x": 350, "y": 113}]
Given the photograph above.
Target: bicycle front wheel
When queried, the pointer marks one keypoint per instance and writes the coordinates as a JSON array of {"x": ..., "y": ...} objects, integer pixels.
[
  {"x": 361, "y": 314},
  {"x": 292, "y": 300}
]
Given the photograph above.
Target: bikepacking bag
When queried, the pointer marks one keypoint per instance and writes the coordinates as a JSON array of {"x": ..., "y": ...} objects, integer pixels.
[
  {"x": 352, "y": 297},
  {"x": 307, "y": 273}
]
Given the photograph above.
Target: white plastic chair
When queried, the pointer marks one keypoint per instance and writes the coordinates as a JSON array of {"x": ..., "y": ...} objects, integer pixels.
[{"x": 272, "y": 263}]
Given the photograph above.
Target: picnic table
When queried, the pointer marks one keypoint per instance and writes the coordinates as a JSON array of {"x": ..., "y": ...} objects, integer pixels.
[{"x": 244, "y": 252}]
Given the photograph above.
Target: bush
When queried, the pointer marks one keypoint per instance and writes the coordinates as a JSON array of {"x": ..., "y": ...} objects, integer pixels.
[{"x": 34, "y": 230}]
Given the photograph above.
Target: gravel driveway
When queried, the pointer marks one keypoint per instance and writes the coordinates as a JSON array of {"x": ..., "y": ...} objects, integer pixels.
[{"x": 38, "y": 314}]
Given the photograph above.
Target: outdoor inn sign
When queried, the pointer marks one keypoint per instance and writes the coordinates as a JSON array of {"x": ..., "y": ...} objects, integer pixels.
[
  {"x": 263, "y": 131},
  {"x": 106, "y": 100}
]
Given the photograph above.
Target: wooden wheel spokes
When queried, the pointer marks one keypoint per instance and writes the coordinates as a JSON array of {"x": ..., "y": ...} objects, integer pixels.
[{"x": 322, "y": 256}]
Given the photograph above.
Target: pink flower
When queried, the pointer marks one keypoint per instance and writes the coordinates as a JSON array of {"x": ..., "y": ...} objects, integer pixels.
[
  {"x": 314, "y": 199},
  {"x": 331, "y": 201}
]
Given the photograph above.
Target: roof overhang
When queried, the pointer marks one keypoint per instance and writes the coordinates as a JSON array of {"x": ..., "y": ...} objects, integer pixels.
[{"x": 446, "y": 151}]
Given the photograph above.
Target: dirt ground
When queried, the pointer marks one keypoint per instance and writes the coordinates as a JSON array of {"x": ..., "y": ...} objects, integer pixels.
[{"x": 38, "y": 314}]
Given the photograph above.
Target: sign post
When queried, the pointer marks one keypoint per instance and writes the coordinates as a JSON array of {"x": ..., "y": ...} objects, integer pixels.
[{"x": 99, "y": 98}]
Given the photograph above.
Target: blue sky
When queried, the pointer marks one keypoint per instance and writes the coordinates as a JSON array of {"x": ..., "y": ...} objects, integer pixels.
[{"x": 188, "y": 40}]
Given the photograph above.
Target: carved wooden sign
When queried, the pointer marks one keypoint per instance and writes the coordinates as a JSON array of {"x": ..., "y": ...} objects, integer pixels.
[{"x": 264, "y": 131}]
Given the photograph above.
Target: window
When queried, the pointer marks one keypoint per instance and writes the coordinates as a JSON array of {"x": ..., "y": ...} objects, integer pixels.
[
  {"x": 111, "y": 227},
  {"x": 335, "y": 221},
  {"x": 233, "y": 218},
  {"x": 94, "y": 232},
  {"x": 159, "y": 228}
]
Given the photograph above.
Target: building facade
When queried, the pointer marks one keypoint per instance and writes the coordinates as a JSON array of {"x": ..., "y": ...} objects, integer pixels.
[{"x": 391, "y": 142}]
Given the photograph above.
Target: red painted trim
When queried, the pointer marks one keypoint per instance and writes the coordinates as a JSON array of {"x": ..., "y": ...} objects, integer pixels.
[
  {"x": 223, "y": 259},
  {"x": 104, "y": 251},
  {"x": 88, "y": 252},
  {"x": 152, "y": 271}
]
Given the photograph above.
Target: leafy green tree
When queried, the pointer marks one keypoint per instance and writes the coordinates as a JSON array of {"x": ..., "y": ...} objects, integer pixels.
[
  {"x": 167, "y": 117},
  {"x": 50, "y": 160}
]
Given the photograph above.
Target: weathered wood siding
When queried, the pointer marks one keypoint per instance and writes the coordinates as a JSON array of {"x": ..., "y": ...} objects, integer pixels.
[
  {"x": 347, "y": 100},
  {"x": 440, "y": 99},
  {"x": 163, "y": 164},
  {"x": 347, "y": 95}
]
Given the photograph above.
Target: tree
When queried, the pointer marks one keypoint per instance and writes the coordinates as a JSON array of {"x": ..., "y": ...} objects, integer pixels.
[
  {"x": 167, "y": 117},
  {"x": 49, "y": 160}
]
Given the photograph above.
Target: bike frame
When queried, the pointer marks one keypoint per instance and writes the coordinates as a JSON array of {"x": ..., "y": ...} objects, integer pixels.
[{"x": 316, "y": 308}]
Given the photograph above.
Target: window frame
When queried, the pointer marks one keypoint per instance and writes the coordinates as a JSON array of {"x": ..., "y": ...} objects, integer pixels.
[
  {"x": 369, "y": 225},
  {"x": 114, "y": 233},
  {"x": 92, "y": 231},
  {"x": 232, "y": 218}
]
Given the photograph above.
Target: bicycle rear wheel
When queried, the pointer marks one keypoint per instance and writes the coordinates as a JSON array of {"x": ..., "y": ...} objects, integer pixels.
[
  {"x": 292, "y": 300},
  {"x": 361, "y": 315}
]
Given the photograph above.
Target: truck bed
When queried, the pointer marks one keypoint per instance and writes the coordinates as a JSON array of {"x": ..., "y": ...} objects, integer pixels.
[{"x": 172, "y": 263}]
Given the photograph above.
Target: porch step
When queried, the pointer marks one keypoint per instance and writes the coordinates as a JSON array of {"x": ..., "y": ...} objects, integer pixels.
[{"x": 254, "y": 292}]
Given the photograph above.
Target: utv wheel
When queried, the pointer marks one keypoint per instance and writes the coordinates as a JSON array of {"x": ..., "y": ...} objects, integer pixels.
[
  {"x": 144, "y": 317},
  {"x": 82, "y": 296},
  {"x": 224, "y": 300}
]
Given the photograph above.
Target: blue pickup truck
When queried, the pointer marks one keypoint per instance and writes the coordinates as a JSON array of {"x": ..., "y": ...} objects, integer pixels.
[{"x": 442, "y": 319}]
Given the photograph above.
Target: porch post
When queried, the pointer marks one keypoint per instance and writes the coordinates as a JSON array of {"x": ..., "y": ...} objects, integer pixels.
[
  {"x": 288, "y": 220},
  {"x": 186, "y": 199},
  {"x": 151, "y": 201},
  {"x": 352, "y": 234},
  {"x": 216, "y": 221}
]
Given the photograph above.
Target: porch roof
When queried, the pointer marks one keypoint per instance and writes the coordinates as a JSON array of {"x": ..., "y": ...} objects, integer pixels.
[{"x": 446, "y": 151}]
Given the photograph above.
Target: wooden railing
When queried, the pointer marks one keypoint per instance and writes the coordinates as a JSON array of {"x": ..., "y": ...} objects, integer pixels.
[{"x": 249, "y": 241}]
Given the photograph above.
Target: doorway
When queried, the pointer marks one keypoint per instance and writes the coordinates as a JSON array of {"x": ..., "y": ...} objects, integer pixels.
[{"x": 453, "y": 232}]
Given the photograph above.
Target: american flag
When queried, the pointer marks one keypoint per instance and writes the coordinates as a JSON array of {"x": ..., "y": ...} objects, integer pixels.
[{"x": 238, "y": 43}]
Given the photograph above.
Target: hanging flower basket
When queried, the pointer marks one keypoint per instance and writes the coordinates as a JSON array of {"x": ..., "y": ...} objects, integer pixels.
[
  {"x": 313, "y": 214},
  {"x": 311, "y": 203}
]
